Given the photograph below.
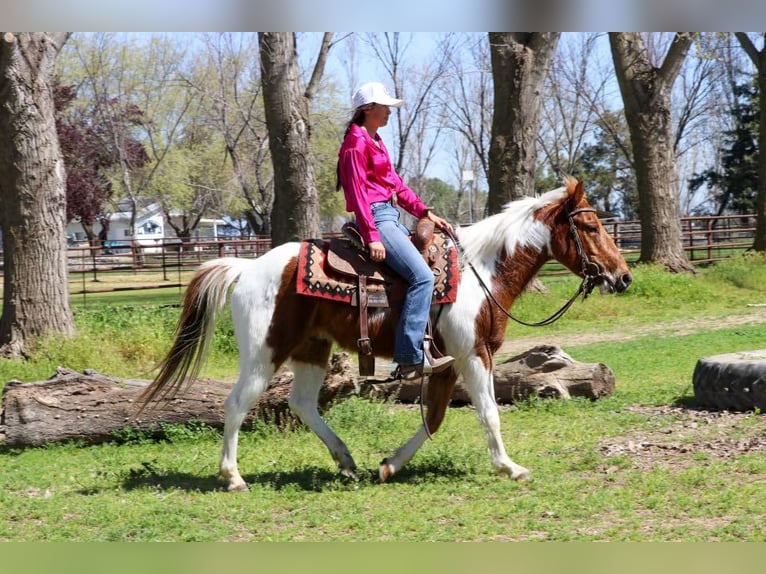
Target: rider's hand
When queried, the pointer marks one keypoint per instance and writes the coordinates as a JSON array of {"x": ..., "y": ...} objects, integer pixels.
[
  {"x": 377, "y": 251},
  {"x": 439, "y": 222}
]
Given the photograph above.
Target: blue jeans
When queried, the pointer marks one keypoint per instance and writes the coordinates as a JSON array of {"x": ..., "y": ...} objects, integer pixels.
[{"x": 406, "y": 260}]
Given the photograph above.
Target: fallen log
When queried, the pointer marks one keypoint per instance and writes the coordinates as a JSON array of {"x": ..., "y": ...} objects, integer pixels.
[
  {"x": 545, "y": 371},
  {"x": 91, "y": 407}
]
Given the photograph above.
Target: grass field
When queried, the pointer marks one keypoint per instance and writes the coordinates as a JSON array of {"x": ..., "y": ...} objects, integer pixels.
[{"x": 641, "y": 465}]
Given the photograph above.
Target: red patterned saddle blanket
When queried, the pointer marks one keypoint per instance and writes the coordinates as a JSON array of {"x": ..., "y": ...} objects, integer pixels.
[{"x": 331, "y": 269}]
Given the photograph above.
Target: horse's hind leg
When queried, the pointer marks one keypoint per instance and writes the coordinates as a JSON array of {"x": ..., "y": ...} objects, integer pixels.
[
  {"x": 438, "y": 394},
  {"x": 257, "y": 362},
  {"x": 253, "y": 380},
  {"x": 309, "y": 365}
]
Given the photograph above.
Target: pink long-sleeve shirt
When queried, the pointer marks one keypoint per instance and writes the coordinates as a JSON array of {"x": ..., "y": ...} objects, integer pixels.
[{"x": 367, "y": 176}]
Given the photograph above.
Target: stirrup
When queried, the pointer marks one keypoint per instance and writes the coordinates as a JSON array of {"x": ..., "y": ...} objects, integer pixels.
[{"x": 410, "y": 372}]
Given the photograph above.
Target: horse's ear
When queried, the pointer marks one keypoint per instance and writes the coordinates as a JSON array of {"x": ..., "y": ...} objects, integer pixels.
[{"x": 577, "y": 194}]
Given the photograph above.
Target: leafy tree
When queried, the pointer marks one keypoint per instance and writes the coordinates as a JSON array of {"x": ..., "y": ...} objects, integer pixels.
[
  {"x": 735, "y": 185},
  {"x": 85, "y": 156},
  {"x": 226, "y": 76},
  {"x": 88, "y": 158},
  {"x": 438, "y": 194},
  {"x": 607, "y": 172},
  {"x": 193, "y": 180},
  {"x": 129, "y": 86},
  {"x": 758, "y": 58}
]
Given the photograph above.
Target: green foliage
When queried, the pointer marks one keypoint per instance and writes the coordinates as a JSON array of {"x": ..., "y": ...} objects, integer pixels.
[
  {"x": 675, "y": 287},
  {"x": 602, "y": 165},
  {"x": 735, "y": 184},
  {"x": 328, "y": 121},
  {"x": 654, "y": 296},
  {"x": 747, "y": 271},
  {"x": 122, "y": 341}
]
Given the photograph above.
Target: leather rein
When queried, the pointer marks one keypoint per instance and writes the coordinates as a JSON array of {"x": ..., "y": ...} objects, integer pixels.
[{"x": 591, "y": 272}]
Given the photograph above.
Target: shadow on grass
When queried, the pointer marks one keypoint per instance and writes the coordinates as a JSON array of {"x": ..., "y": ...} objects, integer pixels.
[
  {"x": 309, "y": 479},
  {"x": 688, "y": 402}
]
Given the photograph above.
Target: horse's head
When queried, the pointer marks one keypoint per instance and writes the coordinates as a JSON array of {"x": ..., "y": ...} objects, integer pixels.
[{"x": 580, "y": 242}]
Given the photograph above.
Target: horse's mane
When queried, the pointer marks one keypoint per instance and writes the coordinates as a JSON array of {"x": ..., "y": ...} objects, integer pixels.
[{"x": 514, "y": 226}]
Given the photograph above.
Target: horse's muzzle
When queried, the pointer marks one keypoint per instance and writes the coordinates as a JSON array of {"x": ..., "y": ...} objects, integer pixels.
[{"x": 619, "y": 284}]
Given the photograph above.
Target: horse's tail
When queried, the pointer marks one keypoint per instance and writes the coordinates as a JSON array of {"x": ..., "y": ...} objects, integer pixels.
[{"x": 205, "y": 297}]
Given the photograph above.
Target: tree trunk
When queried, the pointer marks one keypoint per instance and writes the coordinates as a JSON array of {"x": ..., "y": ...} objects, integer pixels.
[
  {"x": 32, "y": 194},
  {"x": 296, "y": 200},
  {"x": 646, "y": 95},
  {"x": 520, "y": 63},
  {"x": 758, "y": 58}
]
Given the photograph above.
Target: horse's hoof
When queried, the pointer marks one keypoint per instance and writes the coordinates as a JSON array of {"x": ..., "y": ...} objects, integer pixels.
[
  {"x": 520, "y": 474},
  {"x": 238, "y": 487},
  {"x": 349, "y": 473},
  {"x": 385, "y": 471}
]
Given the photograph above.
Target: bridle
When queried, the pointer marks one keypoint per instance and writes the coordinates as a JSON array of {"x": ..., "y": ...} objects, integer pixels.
[{"x": 592, "y": 274}]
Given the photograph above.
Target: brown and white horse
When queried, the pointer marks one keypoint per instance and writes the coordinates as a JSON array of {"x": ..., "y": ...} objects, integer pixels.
[{"x": 274, "y": 324}]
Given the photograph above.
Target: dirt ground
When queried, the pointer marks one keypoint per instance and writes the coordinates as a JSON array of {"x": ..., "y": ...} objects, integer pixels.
[
  {"x": 682, "y": 436},
  {"x": 685, "y": 327}
]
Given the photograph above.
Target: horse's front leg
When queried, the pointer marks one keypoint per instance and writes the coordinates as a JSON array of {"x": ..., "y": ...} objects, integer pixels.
[
  {"x": 479, "y": 382},
  {"x": 438, "y": 395}
]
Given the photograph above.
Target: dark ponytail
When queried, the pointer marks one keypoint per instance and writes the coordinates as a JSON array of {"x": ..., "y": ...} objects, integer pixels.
[{"x": 356, "y": 119}]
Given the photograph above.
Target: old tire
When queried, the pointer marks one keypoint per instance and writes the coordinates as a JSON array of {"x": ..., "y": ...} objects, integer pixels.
[{"x": 733, "y": 381}]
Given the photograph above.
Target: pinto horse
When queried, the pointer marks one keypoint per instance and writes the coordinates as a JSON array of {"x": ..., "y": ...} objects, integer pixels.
[{"x": 274, "y": 324}]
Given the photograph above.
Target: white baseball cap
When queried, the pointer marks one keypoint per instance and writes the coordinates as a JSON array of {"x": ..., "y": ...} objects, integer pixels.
[{"x": 374, "y": 93}]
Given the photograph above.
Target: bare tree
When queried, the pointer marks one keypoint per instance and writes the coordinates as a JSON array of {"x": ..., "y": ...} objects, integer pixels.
[
  {"x": 468, "y": 104},
  {"x": 296, "y": 199},
  {"x": 568, "y": 113},
  {"x": 135, "y": 91},
  {"x": 758, "y": 57},
  {"x": 579, "y": 116},
  {"x": 32, "y": 194},
  {"x": 418, "y": 125},
  {"x": 227, "y": 78},
  {"x": 520, "y": 63},
  {"x": 646, "y": 92}
]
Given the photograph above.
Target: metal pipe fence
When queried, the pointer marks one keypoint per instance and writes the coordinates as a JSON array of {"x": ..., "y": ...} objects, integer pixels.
[{"x": 131, "y": 265}]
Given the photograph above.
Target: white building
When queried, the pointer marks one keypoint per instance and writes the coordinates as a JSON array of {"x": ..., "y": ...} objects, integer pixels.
[{"x": 149, "y": 231}]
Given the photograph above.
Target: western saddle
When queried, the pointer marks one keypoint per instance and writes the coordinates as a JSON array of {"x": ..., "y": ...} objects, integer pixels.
[{"x": 349, "y": 257}]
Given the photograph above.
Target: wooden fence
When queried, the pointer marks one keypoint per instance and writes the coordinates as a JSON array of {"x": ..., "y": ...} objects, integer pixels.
[
  {"x": 705, "y": 239},
  {"x": 168, "y": 263}
]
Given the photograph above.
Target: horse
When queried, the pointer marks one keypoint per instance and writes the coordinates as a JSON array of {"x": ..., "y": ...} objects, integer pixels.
[{"x": 274, "y": 324}]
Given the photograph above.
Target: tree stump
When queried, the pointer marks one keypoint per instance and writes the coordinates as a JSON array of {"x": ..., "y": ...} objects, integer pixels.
[{"x": 732, "y": 381}]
